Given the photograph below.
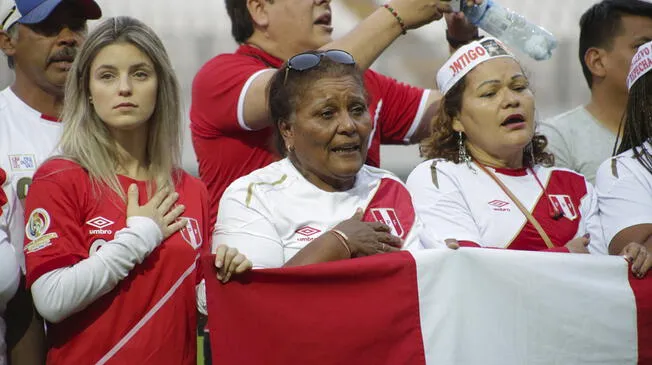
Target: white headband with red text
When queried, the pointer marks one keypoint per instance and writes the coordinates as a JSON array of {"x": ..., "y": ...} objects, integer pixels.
[
  {"x": 641, "y": 64},
  {"x": 466, "y": 58}
]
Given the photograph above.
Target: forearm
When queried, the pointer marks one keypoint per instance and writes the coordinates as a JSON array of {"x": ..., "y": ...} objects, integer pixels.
[
  {"x": 25, "y": 331},
  {"x": 62, "y": 292},
  {"x": 369, "y": 38},
  {"x": 617, "y": 246},
  {"x": 326, "y": 248}
]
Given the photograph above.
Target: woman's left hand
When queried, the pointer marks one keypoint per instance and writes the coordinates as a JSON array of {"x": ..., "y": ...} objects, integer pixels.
[
  {"x": 638, "y": 255},
  {"x": 229, "y": 261}
]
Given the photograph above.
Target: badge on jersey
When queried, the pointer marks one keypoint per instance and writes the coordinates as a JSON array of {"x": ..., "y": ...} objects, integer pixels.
[
  {"x": 191, "y": 232},
  {"x": 565, "y": 204},
  {"x": 3, "y": 195},
  {"x": 22, "y": 162},
  {"x": 390, "y": 218},
  {"x": 36, "y": 230}
]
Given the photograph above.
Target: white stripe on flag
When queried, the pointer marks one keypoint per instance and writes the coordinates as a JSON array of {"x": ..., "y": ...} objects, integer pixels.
[
  {"x": 143, "y": 321},
  {"x": 513, "y": 307}
]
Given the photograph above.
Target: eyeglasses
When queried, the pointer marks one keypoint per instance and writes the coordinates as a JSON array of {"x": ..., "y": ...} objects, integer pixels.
[{"x": 306, "y": 61}]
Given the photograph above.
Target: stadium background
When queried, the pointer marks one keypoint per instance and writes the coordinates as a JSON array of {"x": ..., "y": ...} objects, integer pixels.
[{"x": 196, "y": 30}]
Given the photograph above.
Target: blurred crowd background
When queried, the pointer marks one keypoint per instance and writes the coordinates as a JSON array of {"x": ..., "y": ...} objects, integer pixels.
[{"x": 196, "y": 30}]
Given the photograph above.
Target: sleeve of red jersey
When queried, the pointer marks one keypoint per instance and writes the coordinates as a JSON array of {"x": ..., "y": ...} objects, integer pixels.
[
  {"x": 218, "y": 95},
  {"x": 400, "y": 107},
  {"x": 442, "y": 208},
  {"x": 53, "y": 234}
]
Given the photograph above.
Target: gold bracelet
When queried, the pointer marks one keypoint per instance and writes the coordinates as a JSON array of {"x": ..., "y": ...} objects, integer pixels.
[{"x": 343, "y": 239}]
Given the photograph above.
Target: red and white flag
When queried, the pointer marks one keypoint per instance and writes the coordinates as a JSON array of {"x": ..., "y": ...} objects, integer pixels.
[{"x": 469, "y": 306}]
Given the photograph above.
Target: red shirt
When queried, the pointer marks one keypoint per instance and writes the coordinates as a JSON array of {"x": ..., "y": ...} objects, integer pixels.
[
  {"x": 227, "y": 149},
  {"x": 153, "y": 310}
]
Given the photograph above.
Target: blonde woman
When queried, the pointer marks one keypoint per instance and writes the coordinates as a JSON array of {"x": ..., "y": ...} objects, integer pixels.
[{"x": 114, "y": 226}]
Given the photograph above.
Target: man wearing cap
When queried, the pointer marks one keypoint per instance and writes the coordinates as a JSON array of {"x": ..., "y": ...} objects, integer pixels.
[
  {"x": 229, "y": 116},
  {"x": 40, "y": 39},
  {"x": 610, "y": 33}
]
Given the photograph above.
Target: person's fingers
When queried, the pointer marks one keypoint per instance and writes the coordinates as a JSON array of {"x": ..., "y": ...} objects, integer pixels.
[
  {"x": 168, "y": 202},
  {"x": 228, "y": 257},
  {"x": 173, "y": 214},
  {"x": 639, "y": 260},
  {"x": 645, "y": 267},
  {"x": 379, "y": 227},
  {"x": 359, "y": 213},
  {"x": 244, "y": 266},
  {"x": 630, "y": 251},
  {"x": 219, "y": 256},
  {"x": 174, "y": 227},
  {"x": 132, "y": 199},
  {"x": 389, "y": 239},
  {"x": 388, "y": 248},
  {"x": 159, "y": 197},
  {"x": 452, "y": 244}
]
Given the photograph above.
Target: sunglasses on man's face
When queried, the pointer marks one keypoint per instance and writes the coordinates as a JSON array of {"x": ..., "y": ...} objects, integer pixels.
[{"x": 307, "y": 61}]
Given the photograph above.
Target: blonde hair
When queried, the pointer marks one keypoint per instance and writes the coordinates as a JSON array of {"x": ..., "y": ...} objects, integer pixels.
[{"x": 86, "y": 139}]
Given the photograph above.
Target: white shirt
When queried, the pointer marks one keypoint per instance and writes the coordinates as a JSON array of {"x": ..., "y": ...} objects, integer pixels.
[
  {"x": 578, "y": 141},
  {"x": 624, "y": 189},
  {"x": 456, "y": 202},
  {"x": 272, "y": 213},
  {"x": 27, "y": 138}
]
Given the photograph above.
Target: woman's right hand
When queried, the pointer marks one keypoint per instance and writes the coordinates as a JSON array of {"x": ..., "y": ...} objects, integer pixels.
[
  {"x": 579, "y": 244},
  {"x": 368, "y": 238},
  {"x": 160, "y": 208}
]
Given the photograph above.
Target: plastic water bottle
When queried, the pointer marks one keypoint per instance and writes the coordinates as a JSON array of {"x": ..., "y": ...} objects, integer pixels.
[{"x": 512, "y": 28}]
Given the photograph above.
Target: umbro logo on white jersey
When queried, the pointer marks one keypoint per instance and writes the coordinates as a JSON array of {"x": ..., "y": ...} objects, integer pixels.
[
  {"x": 307, "y": 232},
  {"x": 499, "y": 205},
  {"x": 100, "y": 223}
]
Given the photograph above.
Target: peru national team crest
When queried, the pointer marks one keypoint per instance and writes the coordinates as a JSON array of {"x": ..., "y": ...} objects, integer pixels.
[
  {"x": 191, "y": 232},
  {"x": 565, "y": 204},
  {"x": 390, "y": 218}
]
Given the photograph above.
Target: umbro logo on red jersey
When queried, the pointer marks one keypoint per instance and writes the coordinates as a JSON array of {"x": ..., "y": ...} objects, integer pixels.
[
  {"x": 307, "y": 232},
  {"x": 499, "y": 205},
  {"x": 100, "y": 223}
]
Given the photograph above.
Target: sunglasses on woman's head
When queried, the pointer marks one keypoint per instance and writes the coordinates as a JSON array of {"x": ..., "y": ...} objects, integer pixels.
[{"x": 306, "y": 61}]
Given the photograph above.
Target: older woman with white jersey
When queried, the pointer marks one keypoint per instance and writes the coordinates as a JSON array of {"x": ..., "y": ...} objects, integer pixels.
[
  {"x": 487, "y": 181},
  {"x": 320, "y": 203},
  {"x": 624, "y": 183}
]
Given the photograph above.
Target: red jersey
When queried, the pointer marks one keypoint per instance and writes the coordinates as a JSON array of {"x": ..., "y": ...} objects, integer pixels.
[
  {"x": 228, "y": 149},
  {"x": 150, "y": 316}
]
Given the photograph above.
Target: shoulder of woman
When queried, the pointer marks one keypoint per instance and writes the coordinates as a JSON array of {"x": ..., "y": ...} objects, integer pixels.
[{"x": 59, "y": 168}]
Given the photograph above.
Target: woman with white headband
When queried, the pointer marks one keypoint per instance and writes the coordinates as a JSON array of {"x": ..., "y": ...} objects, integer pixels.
[
  {"x": 624, "y": 182},
  {"x": 488, "y": 182}
]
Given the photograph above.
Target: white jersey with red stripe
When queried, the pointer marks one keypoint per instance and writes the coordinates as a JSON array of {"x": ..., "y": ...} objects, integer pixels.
[
  {"x": 624, "y": 193},
  {"x": 464, "y": 203},
  {"x": 27, "y": 138},
  {"x": 272, "y": 213}
]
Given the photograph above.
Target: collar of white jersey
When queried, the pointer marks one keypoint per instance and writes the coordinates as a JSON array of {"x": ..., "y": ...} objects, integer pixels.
[
  {"x": 468, "y": 57},
  {"x": 641, "y": 64}
]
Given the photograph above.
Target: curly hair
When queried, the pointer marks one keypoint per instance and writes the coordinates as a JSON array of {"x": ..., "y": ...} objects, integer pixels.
[{"x": 443, "y": 141}]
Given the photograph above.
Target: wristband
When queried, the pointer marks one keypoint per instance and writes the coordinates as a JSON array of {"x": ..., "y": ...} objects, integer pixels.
[{"x": 398, "y": 17}]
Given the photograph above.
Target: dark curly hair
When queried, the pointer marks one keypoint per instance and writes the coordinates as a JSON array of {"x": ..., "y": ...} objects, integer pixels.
[{"x": 443, "y": 141}]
